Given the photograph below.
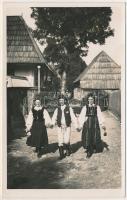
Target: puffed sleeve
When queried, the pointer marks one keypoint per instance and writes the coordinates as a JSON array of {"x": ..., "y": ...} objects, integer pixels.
[
  {"x": 73, "y": 118},
  {"x": 82, "y": 117},
  {"x": 29, "y": 120},
  {"x": 47, "y": 117},
  {"x": 100, "y": 116},
  {"x": 54, "y": 117}
]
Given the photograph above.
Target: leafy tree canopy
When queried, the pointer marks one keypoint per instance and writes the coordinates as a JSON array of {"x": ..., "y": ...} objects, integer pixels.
[{"x": 69, "y": 31}]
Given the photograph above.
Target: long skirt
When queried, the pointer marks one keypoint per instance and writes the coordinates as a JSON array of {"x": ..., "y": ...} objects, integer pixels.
[
  {"x": 38, "y": 137},
  {"x": 91, "y": 136}
]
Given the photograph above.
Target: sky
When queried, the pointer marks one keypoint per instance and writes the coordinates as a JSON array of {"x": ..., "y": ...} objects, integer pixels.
[{"x": 114, "y": 46}]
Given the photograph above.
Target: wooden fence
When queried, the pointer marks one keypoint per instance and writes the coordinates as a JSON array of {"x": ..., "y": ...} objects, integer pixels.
[
  {"x": 115, "y": 102},
  {"x": 48, "y": 98}
]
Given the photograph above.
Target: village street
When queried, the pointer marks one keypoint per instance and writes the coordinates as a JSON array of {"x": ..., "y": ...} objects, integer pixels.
[{"x": 102, "y": 170}]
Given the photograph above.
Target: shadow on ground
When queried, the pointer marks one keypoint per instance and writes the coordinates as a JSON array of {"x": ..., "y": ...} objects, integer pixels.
[
  {"x": 52, "y": 148},
  {"x": 76, "y": 146},
  {"x": 42, "y": 173},
  {"x": 15, "y": 133}
]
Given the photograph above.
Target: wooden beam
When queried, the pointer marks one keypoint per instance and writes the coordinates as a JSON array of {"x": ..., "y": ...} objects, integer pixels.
[{"x": 39, "y": 79}]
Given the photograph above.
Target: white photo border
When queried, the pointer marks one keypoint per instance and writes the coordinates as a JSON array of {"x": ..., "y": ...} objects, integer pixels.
[{"x": 55, "y": 193}]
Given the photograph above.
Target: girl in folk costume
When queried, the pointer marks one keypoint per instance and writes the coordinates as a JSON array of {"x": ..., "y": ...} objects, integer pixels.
[
  {"x": 36, "y": 123},
  {"x": 62, "y": 117},
  {"x": 90, "y": 119}
]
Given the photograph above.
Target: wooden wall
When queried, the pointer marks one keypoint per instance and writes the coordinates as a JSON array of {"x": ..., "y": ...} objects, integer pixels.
[{"x": 115, "y": 102}]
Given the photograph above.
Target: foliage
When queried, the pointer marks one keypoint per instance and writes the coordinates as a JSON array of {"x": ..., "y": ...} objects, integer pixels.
[
  {"x": 68, "y": 33},
  {"x": 77, "y": 65}
]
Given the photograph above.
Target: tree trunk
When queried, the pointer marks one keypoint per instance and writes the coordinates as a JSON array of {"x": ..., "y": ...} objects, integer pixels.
[{"x": 63, "y": 82}]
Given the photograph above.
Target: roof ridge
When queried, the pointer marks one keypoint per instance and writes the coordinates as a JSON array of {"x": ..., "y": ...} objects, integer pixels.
[
  {"x": 110, "y": 58},
  {"x": 91, "y": 63},
  {"x": 87, "y": 68},
  {"x": 36, "y": 46}
]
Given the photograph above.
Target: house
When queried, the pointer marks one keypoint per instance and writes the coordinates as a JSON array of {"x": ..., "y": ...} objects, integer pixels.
[
  {"x": 27, "y": 70},
  {"x": 102, "y": 76}
]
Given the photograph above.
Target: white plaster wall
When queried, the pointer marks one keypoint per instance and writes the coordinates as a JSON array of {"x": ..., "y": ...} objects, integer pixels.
[{"x": 29, "y": 74}]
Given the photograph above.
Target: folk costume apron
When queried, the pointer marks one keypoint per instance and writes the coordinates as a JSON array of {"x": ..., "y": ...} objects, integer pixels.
[
  {"x": 38, "y": 136},
  {"x": 91, "y": 136}
]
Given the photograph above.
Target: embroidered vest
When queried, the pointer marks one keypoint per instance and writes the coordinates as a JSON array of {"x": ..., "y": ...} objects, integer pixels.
[
  {"x": 66, "y": 114},
  {"x": 38, "y": 114},
  {"x": 91, "y": 110}
]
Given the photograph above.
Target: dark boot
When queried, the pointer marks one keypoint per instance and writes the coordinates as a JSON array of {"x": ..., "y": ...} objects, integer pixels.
[
  {"x": 39, "y": 154},
  {"x": 68, "y": 149},
  {"x": 89, "y": 154},
  {"x": 45, "y": 150},
  {"x": 61, "y": 151},
  {"x": 36, "y": 150}
]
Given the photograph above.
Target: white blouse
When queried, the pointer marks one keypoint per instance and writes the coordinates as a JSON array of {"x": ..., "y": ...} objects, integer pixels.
[
  {"x": 82, "y": 117},
  {"x": 29, "y": 119}
]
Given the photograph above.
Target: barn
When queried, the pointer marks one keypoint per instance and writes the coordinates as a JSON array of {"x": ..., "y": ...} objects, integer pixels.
[{"x": 102, "y": 77}]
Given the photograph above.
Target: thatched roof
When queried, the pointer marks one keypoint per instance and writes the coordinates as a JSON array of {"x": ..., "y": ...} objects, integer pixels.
[
  {"x": 21, "y": 46},
  {"x": 102, "y": 73}
]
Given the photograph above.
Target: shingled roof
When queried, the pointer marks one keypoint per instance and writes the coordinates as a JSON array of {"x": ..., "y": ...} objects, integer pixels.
[
  {"x": 102, "y": 73},
  {"x": 21, "y": 46}
]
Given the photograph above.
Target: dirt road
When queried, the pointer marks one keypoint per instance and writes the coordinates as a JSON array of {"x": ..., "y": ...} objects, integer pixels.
[{"x": 102, "y": 170}]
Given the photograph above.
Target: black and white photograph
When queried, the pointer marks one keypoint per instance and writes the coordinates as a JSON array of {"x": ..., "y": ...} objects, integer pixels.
[{"x": 64, "y": 108}]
